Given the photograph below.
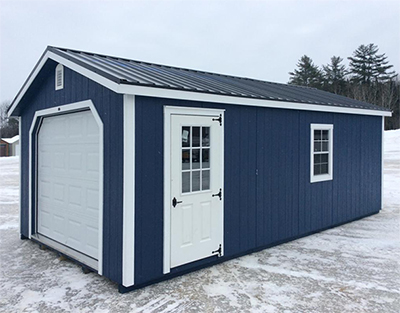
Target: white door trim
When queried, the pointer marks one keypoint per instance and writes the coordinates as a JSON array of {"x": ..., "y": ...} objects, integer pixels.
[
  {"x": 128, "y": 237},
  {"x": 70, "y": 108},
  {"x": 168, "y": 111}
]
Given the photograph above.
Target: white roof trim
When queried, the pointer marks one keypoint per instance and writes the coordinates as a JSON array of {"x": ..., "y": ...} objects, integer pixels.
[
  {"x": 180, "y": 94},
  {"x": 11, "y": 140}
]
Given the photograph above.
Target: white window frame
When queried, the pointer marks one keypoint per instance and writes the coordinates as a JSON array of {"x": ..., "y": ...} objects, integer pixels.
[
  {"x": 59, "y": 68},
  {"x": 321, "y": 177}
]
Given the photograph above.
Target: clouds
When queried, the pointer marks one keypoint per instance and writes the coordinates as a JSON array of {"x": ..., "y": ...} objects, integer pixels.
[{"x": 259, "y": 39}]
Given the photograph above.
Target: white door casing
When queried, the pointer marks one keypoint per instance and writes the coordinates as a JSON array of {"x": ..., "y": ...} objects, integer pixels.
[
  {"x": 68, "y": 181},
  {"x": 195, "y": 179}
]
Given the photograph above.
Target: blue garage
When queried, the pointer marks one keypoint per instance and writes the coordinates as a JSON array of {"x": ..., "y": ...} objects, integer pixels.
[{"x": 142, "y": 172}]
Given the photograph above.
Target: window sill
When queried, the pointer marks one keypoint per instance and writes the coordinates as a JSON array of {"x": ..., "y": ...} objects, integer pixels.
[{"x": 320, "y": 178}]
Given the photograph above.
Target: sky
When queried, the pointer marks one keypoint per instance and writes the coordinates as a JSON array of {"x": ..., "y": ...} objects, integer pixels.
[{"x": 256, "y": 39}]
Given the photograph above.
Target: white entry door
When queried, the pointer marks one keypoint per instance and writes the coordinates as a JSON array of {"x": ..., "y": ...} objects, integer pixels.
[
  {"x": 68, "y": 181},
  {"x": 196, "y": 188}
]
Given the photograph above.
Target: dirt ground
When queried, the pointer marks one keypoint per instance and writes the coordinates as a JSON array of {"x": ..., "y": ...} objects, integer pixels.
[{"x": 352, "y": 268}]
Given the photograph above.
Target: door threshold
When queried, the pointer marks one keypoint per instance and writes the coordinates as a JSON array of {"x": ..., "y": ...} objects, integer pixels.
[{"x": 78, "y": 256}]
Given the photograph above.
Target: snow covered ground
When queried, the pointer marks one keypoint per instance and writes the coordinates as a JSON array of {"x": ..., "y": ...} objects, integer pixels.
[{"x": 352, "y": 268}]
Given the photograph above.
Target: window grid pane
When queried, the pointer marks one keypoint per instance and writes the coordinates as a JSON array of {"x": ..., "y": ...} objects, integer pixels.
[
  {"x": 195, "y": 158},
  {"x": 321, "y": 152}
]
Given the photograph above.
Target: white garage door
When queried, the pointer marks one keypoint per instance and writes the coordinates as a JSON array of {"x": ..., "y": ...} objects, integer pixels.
[{"x": 68, "y": 181}]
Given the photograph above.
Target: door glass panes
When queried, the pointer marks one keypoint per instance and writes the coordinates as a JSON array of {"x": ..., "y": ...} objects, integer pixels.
[
  {"x": 195, "y": 180},
  {"x": 205, "y": 136},
  {"x": 185, "y": 181},
  {"x": 205, "y": 180},
  {"x": 196, "y": 136},
  {"x": 195, "y": 158},
  {"x": 186, "y": 159},
  {"x": 185, "y": 136}
]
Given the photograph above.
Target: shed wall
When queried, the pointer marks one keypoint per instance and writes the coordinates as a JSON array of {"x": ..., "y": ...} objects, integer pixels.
[
  {"x": 109, "y": 105},
  {"x": 268, "y": 195}
]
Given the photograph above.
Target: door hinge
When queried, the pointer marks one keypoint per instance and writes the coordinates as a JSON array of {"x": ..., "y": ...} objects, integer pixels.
[
  {"x": 219, "y": 119},
  {"x": 219, "y": 194},
  {"x": 219, "y": 250}
]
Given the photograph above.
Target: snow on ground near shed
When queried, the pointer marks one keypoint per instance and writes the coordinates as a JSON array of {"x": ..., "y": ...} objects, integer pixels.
[{"x": 351, "y": 268}]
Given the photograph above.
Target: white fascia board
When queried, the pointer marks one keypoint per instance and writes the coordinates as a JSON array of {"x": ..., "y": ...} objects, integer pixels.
[
  {"x": 382, "y": 159},
  {"x": 186, "y": 95},
  {"x": 206, "y": 97},
  {"x": 128, "y": 237}
]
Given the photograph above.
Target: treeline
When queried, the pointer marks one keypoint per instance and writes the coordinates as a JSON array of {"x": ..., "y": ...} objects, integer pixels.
[
  {"x": 8, "y": 126},
  {"x": 369, "y": 78}
]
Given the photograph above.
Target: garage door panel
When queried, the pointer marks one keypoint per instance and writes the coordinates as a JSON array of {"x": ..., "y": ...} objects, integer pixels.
[
  {"x": 59, "y": 192},
  {"x": 68, "y": 181}
]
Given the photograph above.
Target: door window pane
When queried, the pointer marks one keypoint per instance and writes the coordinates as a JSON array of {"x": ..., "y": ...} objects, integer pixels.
[
  {"x": 185, "y": 182},
  {"x": 205, "y": 182},
  {"x": 185, "y": 136},
  {"x": 186, "y": 159},
  {"x": 195, "y": 159},
  {"x": 205, "y": 136},
  {"x": 205, "y": 161},
  {"x": 195, "y": 180},
  {"x": 196, "y": 136}
]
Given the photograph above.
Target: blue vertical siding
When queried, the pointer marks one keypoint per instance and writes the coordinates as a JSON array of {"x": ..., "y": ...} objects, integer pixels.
[
  {"x": 109, "y": 105},
  {"x": 268, "y": 195}
]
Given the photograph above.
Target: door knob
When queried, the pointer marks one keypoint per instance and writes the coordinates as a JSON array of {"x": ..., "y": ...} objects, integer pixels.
[{"x": 175, "y": 202}]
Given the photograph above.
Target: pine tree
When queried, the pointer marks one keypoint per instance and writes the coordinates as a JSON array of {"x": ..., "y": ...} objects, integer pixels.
[
  {"x": 367, "y": 66},
  {"x": 334, "y": 75},
  {"x": 307, "y": 74}
]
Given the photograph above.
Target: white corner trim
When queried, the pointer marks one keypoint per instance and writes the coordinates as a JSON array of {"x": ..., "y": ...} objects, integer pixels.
[
  {"x": 181, "y": 94},
  {"x": 168, "y": 111},
  {"x": 382, "y": 160},
  {"x": 128, "y": 245},
  {"x": 20, "y": 173},
  {"x": 167, "y": 191},
  {"x": 69, "y": 108},
  {"x": 329, "y": 176}
]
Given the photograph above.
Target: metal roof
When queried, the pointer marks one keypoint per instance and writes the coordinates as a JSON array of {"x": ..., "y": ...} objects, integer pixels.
[
  {"x": 130, "y": 72},
  {"x": 125, "y": 71}
]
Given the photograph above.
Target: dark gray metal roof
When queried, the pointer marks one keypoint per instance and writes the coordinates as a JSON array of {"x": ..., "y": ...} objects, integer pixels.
[{"x": 131, "y": 72}]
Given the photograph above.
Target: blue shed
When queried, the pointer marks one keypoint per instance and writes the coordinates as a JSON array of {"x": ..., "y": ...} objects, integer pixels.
[{"x": 143, "y": 172}]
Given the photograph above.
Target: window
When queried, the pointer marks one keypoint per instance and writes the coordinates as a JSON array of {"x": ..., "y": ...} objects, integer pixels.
[
  {"x": 321, "y": 152},
  {"x": 59, "y": 77},
  {"x": 195, "y": 158}
]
